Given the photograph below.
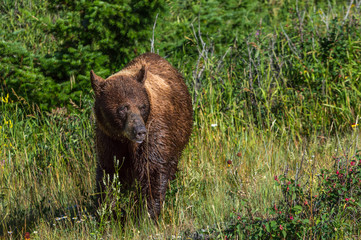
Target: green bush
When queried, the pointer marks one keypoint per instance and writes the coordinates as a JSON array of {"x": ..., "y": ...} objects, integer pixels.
[
  {"x": 20, "y": 72},
  {"x": 99, "y": 35},
  {"x": 327, "y": 212},
  {"x": 115, "y": 30}
]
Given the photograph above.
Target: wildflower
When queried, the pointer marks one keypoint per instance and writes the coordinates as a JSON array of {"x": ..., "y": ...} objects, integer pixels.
[
  {"x": 9, "y": 123},
  {"x": 288, "y": 189},
  {"x": 337, "y": 172},
  {"x": 347, "y": 199},
  {"x": 298, "y": 185},
  {"x": 239, "y": 217},
  {"x": 6, "y": 99},
  {"x": 229, "y": 162},
  {"x": 281, "y": 228},
  {"x": 289, "y": 182},
  {"x": 276, "y": 178},
  {"x": 354, "y": 125},
  {"x": 27, "y": 236},
  {"x": 353, "y": 163},
  {"x": 214, "y": 125},
  {"x": 291, "y": 217},
  {"x": 305, "y": 202},
  {"x": 239, "y": 154},
  {"x": 275, "y": 208}
]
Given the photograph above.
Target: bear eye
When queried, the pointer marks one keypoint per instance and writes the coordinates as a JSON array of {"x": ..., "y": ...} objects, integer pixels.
[
  {"x": 122, "y": 109},
  {"x": 142, "y": 108}
]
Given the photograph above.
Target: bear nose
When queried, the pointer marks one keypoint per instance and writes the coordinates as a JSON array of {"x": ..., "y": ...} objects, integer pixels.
[{"x": 140, "y": 132}]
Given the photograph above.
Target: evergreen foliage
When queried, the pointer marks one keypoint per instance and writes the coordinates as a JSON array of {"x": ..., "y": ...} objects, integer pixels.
[{"x": 99, "y": 35}]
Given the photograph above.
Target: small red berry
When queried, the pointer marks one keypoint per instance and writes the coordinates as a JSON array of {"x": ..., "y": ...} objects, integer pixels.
[{"x": 27, "y": 236}]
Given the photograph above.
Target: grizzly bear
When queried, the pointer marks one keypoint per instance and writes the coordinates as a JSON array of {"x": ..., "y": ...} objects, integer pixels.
[{"x": 144, "y": 119}]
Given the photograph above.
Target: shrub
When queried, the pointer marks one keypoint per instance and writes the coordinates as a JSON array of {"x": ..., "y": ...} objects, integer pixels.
[
  {"x": 20, "y": 73},
  {"x": 99, "y": 35},
  {"x": 331, "y": 209}
]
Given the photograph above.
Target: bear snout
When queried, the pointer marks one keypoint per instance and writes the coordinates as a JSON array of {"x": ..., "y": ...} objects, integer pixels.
[
  {"x": 135, "y": 129},
  {"x": 139, "y": 133}
]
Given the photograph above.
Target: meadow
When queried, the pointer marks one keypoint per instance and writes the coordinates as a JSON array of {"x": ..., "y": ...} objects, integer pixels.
[{"x": 275, "y": 148}]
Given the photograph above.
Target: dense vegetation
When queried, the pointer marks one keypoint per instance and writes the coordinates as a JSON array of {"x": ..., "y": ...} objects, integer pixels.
[{"x": 276, "y": 91}]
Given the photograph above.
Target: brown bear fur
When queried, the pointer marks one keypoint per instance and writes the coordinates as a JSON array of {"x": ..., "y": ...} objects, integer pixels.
[{"x": 144, "y": 119}]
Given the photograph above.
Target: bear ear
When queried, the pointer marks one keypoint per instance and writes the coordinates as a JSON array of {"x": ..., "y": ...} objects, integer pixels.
[
  {"x": 142, "y": 74},
  {"x": 95, "y": 81}
]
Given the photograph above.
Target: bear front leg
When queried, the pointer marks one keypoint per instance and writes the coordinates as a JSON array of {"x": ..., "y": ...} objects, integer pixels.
[
  {"x": 100, "y": 186},
  {"x": 154, "y": 186}
]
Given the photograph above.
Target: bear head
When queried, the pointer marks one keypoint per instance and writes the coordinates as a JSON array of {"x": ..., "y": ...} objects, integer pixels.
[{"x": 122, "y": 105}]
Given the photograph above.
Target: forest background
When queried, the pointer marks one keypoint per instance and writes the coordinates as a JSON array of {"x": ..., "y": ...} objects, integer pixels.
[{"x": 276, "y": 95}]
